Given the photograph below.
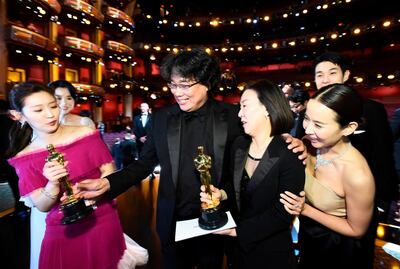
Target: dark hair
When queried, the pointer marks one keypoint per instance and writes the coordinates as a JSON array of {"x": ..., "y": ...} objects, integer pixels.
[
  {"x": 20, "y": 135},
  {"x": 272, "y": 97},
  {"x": 194, "y": 64},
  {"x": 63, "y": 84},
  {"x": 299, "y": 96},
  {"x": 335, "y": 58},
  {"x": 342, "y": 99}
]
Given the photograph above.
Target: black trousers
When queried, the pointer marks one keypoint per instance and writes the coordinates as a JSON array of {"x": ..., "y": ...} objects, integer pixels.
[{"x": 204, "y": 252}]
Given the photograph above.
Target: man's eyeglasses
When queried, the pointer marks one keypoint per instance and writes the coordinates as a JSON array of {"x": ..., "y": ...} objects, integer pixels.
[{"x": 183, "y": 87}]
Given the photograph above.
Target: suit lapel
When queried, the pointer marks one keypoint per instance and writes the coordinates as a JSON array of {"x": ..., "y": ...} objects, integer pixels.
[
  {"x": 262, "y": 170},
  {"x": 239, "y": 163},
  {"x": 173, "y": 135},
  {"x": 220, "y": 130}
]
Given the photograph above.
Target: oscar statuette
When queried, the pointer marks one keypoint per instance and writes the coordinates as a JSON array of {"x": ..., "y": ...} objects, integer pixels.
[
  {"x": 73, "y": 208},
  {"x": 212, "y": 217}
]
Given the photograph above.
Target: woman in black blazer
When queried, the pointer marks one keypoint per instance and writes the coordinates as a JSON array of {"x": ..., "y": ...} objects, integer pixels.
[{"x": 262, "y": 168}]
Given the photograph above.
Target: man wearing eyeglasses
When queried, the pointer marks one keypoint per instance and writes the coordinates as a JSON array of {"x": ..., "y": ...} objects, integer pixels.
[{"x": 176, "y": 132}]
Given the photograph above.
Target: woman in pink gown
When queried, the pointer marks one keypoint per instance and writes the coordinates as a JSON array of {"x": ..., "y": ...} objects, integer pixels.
[{"x": 97, "y": 241}]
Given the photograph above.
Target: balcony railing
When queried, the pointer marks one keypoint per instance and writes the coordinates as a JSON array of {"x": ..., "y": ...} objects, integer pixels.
[
  {"x": 89, "y": 89},
  {"x": 120, "y": 16},
  {"x": 83, "y": 46},
  {"x": 23, "y": 36},
  {"x": 120, "y": 48},
  {"x": 53, "y": 5},
  {"x": 84, "y": 7}
]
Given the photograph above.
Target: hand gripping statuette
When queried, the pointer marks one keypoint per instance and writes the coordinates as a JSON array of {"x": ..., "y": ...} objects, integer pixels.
[
  {"x": 212, "y": 217},
  {"x": 73, "y": 208}
]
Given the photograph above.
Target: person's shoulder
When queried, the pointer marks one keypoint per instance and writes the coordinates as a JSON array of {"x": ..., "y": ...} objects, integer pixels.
[{"x": 356, "y": 170}]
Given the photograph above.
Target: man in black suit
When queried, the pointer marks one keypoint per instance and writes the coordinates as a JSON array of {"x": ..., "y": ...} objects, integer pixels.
[
  {"x": 298, "y": 102},
  {"x": 142, "y": 123},
  {"x": 176, "y": 132}
]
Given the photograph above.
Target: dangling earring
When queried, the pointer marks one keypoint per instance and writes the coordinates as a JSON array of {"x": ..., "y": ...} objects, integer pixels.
[
  {"x": 266, "y": 115},
  {"x": 22, "y": 124}
]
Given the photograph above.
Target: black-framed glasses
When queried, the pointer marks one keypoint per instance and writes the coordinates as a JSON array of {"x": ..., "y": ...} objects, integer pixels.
[{"x": 183, "y": 87}]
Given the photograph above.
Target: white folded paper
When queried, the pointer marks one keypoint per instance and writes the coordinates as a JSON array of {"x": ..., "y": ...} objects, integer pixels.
[{"x": 186, "y": 229}]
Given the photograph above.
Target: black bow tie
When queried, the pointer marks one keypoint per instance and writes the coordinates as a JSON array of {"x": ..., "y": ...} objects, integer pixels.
[{"x": 195, "y": 114}]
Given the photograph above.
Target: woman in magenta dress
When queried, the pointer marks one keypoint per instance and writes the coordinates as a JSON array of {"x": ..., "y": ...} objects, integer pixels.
[{"x": 96, "y": 241}]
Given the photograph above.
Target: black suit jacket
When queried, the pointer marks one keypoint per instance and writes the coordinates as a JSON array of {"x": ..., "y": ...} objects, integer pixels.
[
  {"x": 263, "y": 225},
  {"x": 163, "y": 147},
  {"x": 376, "y": 145},
  {"x": 298, "y": 130},
  {"x": 139, "y": 130}
]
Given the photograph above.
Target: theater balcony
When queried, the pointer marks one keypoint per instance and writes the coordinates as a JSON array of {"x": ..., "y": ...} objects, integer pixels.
[
  {"x": 73, "y": 45},
  {"x": 40, "y": 9},
  {"x": 118, "y": 51},
  {"x": 20, "y": 36},
  {"x": 116, "y": 19},
  {"x": 80, "y": 12}
]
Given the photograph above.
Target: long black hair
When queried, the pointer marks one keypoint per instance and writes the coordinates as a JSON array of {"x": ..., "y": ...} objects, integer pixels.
[{"x": 20, "y": 135}]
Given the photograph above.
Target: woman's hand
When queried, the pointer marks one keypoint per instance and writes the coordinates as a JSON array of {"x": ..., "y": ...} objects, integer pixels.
[
  {"x": 293, "y": 204},
  {"x": 206, "y": 198},
  {"x": 297, "y": 146},
  {"x": 230, "y": 232},
  {"x": 54, "y": 171}
]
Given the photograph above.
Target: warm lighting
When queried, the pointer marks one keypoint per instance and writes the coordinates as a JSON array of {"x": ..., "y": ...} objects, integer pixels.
[
  {"x": 386, "y": 24},
  {"x": 258, "y": 47},
  {"x": 391, "y": 76},
  {"x": 285, "y": 15},
  {"x": 307, "y": 84},
  {"x": 198, "y": 24},
  {"x": 146, "y": 47},
  {"x": 313, "y": 40},
  {"x": 181, "y": 24},
  {"x": 152, "y": 57},
  {"x": 214, "y": 23},
  {"x": 240, "y": 49},
  {"x": 359, "y": 79},
  {"x": 148, "y": 16},
  {"x": 248, "y": 20},
  {"x": 334, "y": 36},
  {"x": 145, "y": 88},
  {"x": 175, "y": 50},
  {"x": 292, "y": 43},
  {"x": 380, "y": 231},
  {"x": 165, "y": 21},
  {"x": 379, "y": 76},
  {"x": 221, "y": 89},
  {"x": 127, "y": 86},
  {"x": 325, "y": 6},
  {"x": 153, "y": 96},
  {"x": 224, "y": 50},
  {"x": 157, "y": 48},
  {"x": 305, "y": 11},
  {"x": 208, "y": 50},
  {"x": 266, "y": 18},
  {"x": 232, "y": 22},
  {"x": 357, "y": 31},
  {"x": 165, "y": 89},
  {"x": 274, "y": 45}
]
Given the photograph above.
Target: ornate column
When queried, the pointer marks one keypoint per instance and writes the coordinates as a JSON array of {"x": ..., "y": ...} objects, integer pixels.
[
  {"x": 128, "y": 105},
  {"x": 53, "y": 68}
]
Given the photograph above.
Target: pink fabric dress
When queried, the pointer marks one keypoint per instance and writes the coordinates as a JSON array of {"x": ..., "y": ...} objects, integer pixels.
[{"x": 96, "y": 241}]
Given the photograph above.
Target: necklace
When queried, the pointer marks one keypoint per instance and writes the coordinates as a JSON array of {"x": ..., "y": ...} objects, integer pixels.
[
  {"x": 253, "y": 158},
  {"x": 321, "y": 162}
]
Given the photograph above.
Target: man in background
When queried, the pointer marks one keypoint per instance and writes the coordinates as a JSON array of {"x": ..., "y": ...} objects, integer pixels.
[{"x": 142, "y": 124}]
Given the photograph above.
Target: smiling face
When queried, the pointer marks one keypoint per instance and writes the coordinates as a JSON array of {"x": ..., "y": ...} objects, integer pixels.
[
  {"x": 321, "y": 126},
  {"x": 188, "y": 98},
  {"x": 41, "y": 112},
  {"x": 253, "y": 114},
  {"x": 327, "y": 73},
  {"x": 64, "y": 100}
]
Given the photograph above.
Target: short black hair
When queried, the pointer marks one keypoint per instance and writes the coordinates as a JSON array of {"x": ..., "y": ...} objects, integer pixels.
[
  {"x": 335, "y": 58},
  {"x": 64, "y": 84},
  {"x": 193, "y": 64},
  {"x": 346, "y": 102},
  {"x": 272, "y": 97},
  {"x": 299, "y": 96}
]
